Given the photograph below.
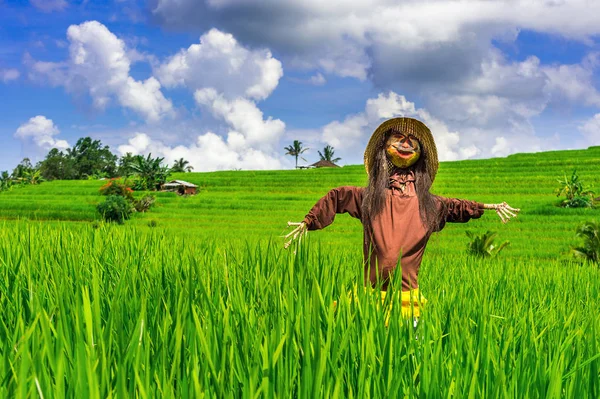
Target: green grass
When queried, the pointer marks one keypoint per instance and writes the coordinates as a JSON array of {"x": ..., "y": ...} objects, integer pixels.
[{"x": 208, "y": 303}]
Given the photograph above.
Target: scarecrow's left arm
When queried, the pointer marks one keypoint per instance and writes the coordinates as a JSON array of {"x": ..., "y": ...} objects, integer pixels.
[
  {"x": 456, "y": 210},
  {"x": 503, "y": 210}
]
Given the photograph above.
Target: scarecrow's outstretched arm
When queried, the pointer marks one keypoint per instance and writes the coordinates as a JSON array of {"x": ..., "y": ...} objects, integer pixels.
[
  {"x": 300, "y": 230},
  {"x": 345, "y": 199},
  {"x": 504, "y": 211}
]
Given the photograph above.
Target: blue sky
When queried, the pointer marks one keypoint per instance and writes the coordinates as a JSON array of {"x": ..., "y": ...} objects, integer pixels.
[{"x": 227, "y": 84}]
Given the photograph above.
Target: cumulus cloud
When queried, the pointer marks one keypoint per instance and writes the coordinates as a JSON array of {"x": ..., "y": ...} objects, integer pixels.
[
  {"x": 244, "y": 118},
  {"x": 575, "y": 82},
  {"x": 355, "y": 130},
  {"x": 37, "y": 136},
  {"x": 9, "y": 74},
  {"x": 49, "y": 5},
  {"x": 590, "y": 130},
  {"x": 99, "y": 65},
  {"x": 208, "y": 153},
  {"x": 388, "y": 41},
  {"x": 442, "y": 52},
  {"x": 500, "y": 91},
  {"x": 221, "y": 63},
  {"x": 249, "y": 142}
]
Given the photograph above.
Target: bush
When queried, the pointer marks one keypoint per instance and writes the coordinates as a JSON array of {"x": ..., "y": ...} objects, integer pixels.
[
  {"x": 483, "y": 245},
  {"x": 117, "y": 187},
  {"x": 142, "y": 205},
  {"x": 590, "y": 249},
  {"x": 577, "y": 196},
  {"x": 115, "y": 209}
]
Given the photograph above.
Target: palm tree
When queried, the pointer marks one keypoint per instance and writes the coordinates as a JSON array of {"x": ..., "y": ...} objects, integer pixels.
[
  {"x": 295, "y": 150},
  {"x": 181, "y": 165},
  {"x": 327, "y": 154}
]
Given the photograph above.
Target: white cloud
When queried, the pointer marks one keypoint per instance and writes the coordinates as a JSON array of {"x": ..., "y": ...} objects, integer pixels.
[
  {"x": 443, "y": 52},
  {"x": 243, "y": 117},
  {"x": 209, "y": 152},
  {"x": 350, "y": 136},
  {"x": 590, "y": 130},
  {"x": 575, "y": 82},
  {"x": 250, "y": 142},
  {"x": 49, "y": 5},
  {"x": 347, "y": 133},
  {"x": 317, "y": 80},
  {"x": 99, "y": 66},
  {"x": 501, "y": 148},
  {"x": 385, "y": 40},
  {"x": 37, "y": 137},
  {"x": 7, "y": 75},
  {"x": 355, "y": 131},
  {"x": 221, "y": 63}
]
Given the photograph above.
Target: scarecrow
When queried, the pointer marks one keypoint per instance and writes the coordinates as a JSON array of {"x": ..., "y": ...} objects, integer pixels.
[{"x": 397, "y": 211}]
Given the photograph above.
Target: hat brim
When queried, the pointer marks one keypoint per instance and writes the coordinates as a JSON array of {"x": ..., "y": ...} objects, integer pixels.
[{"x": 409, "y": 126}]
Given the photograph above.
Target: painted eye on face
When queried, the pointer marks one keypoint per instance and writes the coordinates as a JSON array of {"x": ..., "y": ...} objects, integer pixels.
[{"x": 403, "y": 150}]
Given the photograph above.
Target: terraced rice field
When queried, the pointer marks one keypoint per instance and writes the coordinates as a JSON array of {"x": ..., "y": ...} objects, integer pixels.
[{"x": 207, "y": 303}]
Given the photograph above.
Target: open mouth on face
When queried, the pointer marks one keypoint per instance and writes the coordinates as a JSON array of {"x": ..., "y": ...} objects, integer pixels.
[{"x": 405, "y": 153}]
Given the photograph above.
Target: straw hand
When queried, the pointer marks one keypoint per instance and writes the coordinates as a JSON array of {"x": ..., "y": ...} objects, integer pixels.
[
  {"x": 297, "y": 233},
  {"x": 504, "y": 211}
]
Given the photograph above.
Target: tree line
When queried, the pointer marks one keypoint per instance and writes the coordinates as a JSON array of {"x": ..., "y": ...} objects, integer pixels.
[{"x": 90, "y": 159}]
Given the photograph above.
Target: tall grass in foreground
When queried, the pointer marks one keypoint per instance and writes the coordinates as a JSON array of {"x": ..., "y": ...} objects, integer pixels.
[{"x": 116, "y": 312}]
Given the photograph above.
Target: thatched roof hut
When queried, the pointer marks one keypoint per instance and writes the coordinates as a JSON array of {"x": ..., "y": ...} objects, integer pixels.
[
  {"x": 181, "y": 187},
  {"x": 324, "y": 164}
]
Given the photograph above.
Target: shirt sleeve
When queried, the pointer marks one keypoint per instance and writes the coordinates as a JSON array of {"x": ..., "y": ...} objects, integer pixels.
[
  {"x": 455, "y": 210},
  {"x": 339, "y": 200}
]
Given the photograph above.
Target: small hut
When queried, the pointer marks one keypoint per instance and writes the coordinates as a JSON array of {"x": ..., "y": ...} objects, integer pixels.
[
  {"x": 324, "y": 164},
  {"x": 181, "y": 187}
]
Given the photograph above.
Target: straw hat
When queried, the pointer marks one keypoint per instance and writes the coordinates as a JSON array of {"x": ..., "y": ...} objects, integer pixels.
[{"x": 409, "y": 126}]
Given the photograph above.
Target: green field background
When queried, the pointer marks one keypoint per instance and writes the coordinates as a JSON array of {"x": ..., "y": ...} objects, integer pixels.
[{"x": 207, "y": 302}]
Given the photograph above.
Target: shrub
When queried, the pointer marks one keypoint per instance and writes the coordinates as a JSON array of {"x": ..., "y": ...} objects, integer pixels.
[
  {"x": 483, "y": 245},
  {"x": 590, "y": 249},
  {"x": 577, "y": 196},
  {"x": 117, "y": 187},
  {"x": 115, "y": 209},
  {"x": 142, "y": 205}
]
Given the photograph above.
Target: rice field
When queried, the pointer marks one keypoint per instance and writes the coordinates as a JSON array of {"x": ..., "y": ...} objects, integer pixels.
[{"x": 208, "y": 304}]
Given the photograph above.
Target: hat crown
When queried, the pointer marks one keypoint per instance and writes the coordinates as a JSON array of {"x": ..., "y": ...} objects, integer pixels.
[{"x": 409, "y": 126}]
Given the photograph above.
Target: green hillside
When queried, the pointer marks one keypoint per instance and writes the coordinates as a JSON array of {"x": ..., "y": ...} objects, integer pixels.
[{"x": 256, "y": 205}]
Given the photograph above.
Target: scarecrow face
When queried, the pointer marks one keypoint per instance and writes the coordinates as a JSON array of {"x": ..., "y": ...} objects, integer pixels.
[{"x": 402, "y": 150}]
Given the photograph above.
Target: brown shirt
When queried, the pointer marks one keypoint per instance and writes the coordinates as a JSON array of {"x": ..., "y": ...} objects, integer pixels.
[{"x": 396, "y": 232}]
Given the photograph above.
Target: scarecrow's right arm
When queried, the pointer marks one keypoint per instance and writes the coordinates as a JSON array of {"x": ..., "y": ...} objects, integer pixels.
[{"x": 322, "y": 214}]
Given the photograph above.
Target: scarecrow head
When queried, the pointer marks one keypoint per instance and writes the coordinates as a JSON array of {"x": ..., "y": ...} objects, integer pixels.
[
  {"x": 401, "y": 145},
  {"x": 405, "y": 143}
]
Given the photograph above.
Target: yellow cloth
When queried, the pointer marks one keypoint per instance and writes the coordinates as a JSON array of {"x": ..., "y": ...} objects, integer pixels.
[{"x": 411, "y": 302}]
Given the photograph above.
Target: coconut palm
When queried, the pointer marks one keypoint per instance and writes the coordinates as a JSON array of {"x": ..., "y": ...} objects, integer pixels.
[
  {"x": 295, "y": 150},
  {"x": 590, "y": 249},
  {"x": 327, "y": 154},
  {"x": 181, "y": 165}
]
